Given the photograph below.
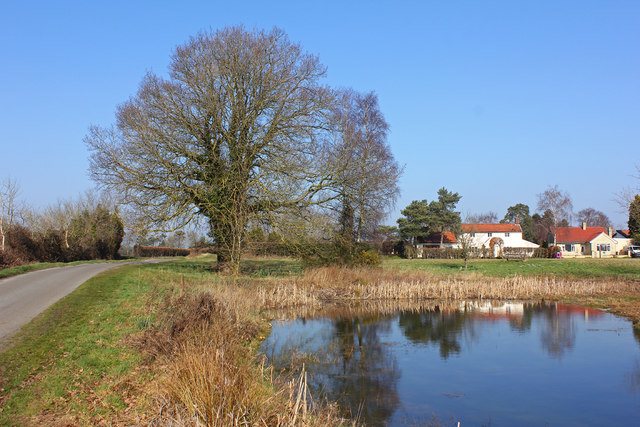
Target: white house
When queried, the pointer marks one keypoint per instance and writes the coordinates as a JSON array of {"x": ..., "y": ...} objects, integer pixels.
[{"x": 496, "y": 237}]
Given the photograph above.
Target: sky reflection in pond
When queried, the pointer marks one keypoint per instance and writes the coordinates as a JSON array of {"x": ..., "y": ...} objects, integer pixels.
[{"x": 483, "y": 364}]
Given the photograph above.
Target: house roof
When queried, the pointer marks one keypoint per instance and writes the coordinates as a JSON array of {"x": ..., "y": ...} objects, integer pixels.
[
  {"x": 577, "y": 234},
  {"x": 449, "y": 237},
  {"x": 434, "y": 237},
  {"x": 624, "y": 233},
  {"x": 491, "y": 228}
]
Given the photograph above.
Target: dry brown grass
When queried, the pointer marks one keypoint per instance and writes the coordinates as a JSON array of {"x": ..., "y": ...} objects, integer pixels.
[
  {"x": 318, "y": 286},
  {"x": 202, "y": 346}
]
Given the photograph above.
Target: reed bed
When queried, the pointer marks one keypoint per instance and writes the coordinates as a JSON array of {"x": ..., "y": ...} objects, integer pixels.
[
  {"x": 202, "y": 344},
  {"x": 316, "y": 287}
]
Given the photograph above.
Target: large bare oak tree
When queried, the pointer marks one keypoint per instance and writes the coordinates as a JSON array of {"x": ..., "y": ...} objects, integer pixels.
[{"x": 234, "y": 133}]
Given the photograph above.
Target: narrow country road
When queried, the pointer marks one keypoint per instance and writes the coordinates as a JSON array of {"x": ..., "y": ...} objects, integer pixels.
[{"x": 25, "y": 296}]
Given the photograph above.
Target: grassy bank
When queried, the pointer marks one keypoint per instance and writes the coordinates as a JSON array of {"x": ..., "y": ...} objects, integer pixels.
[
  {"x": 152, "y": 344},
  {"x": 176, "y": 343}
]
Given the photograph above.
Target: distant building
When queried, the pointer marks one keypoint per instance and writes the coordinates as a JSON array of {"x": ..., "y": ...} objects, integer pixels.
[
  {"x": 496, "y": 237},
  {"x": 585, "y": 241},
  {"x": 623, "y": 241}
]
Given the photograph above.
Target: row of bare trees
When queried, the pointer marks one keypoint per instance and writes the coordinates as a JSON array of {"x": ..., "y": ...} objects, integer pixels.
[{"x": 87, "y": 228}]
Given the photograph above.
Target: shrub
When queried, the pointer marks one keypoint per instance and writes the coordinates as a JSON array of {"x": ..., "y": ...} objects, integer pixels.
[
  {"x": 158, "y": 251},
  {"x": 314, "y": 254},
  {"x": 8, "y": 258}
]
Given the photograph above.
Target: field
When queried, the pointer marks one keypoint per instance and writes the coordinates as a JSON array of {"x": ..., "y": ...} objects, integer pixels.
[
  {"x": 131, "y": 345},
  {"x": 563, "y": 268}
]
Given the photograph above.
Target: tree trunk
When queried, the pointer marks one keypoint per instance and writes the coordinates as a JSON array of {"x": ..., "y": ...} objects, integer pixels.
[{"x": 2, "y": 228}]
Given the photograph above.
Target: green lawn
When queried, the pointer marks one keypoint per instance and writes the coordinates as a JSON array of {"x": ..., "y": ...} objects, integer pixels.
[{"x": 577, "y": 268}]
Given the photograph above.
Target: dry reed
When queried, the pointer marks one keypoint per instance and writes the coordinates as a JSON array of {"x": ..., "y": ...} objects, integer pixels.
[
  {"x": 318, "y": 286},
  {"x": 210, "y": 376}
]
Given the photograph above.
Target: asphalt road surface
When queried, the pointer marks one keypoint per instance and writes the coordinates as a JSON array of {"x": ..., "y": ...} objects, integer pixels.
[{"x": 25, "y": 296}]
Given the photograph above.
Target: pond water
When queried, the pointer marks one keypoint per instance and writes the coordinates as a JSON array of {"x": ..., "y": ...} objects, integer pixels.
[{"x": 480, "y": 363}]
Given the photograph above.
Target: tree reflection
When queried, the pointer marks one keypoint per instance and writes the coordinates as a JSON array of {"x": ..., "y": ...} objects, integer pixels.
[
  {"x": 364, "y": 383},
  {"x": 558, "y": 335},
  {"x": 438, "y": 327}
]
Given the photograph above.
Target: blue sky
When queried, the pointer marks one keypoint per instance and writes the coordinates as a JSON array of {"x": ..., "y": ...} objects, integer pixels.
[{"x": 496, "y": 100}]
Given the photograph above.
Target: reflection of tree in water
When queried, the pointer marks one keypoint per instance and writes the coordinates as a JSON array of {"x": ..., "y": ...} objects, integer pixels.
[
  {"x": 364, "y": 378},
  {"x": 349, "y": 366},
  {"x": 558, "y": 334},
  {"x": 443, "y": 328}
]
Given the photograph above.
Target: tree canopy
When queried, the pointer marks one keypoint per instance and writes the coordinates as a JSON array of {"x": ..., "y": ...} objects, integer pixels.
[
  {"x": 422, "y": 218},
  {"x": 366, "y": 180},
  {"x": 240, "y": 132},
  {"x": 634, "y": 218},
  {"x": 520, "y": 213},
  {"x": 593, "y": 218}
]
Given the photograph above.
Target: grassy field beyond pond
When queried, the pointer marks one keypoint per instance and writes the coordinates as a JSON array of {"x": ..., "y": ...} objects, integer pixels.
[{"x": 571, "y": 268}]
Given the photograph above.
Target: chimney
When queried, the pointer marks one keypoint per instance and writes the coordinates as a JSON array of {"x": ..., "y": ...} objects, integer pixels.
[
  {"x": 610, "y": 232},
  {"x": 517, "y": 219},
  {"x": 584, "y": 225}
]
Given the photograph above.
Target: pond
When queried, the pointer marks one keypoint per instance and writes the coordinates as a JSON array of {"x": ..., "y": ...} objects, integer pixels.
[{"x": 477, "y": 363}]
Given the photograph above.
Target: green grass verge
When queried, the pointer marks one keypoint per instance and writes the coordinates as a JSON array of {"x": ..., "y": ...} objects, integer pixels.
[
  {"x": 71, "y": 356},
  {"x": 570, "y": 268}
]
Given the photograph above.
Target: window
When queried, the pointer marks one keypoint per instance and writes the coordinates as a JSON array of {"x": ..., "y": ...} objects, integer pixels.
[
  {"x": 603, "y": 247},
  {"x": 568, "y": 247},
  {"x": 489, "y": 234},
  {"x": 473, "y": 234},
  {"x": 506, "y": 234}
]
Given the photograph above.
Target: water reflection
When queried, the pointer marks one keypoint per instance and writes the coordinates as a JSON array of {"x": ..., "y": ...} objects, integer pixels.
[
  {"x": 404, "y": 365},
  {"x": 442, "y": 328},
  {"x": 559, "y": 334},
  {"x": 368, "y": 374}
]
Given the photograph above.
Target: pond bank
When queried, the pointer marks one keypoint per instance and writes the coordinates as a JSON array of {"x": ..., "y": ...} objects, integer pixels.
[{"x": 124, "y": 369}]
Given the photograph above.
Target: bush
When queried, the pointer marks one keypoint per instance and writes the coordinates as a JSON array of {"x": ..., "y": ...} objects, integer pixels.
[
  {"x": 455, "y": 253},
  {"x": 324, "y": 254},
  {"x": 541, "y": 253},
  {"x": 8, "y": 258},
  {"x": 158, "y": 251},
  {"x": 368, "y": 257}
]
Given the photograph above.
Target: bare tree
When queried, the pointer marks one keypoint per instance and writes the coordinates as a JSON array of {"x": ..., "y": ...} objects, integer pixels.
[
  {"x": 59, "y": 217},
  {"x": 466, "y": 244},
  {"x": 593, "y": 217},
  {"x": 559, "y": 204},
  {"x": 482, "y": 218},
  {"x": 626, "y": 196},
  {"x": 9, "y": 191},
  {"x": 367, "y": 174},
  {"x": 235, "y": 133}
]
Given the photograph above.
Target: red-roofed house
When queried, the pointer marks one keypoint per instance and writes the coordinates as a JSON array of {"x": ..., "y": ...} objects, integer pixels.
[
  {"x": 584, "y": 241},
  {"x": 494, "y": 236}
]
